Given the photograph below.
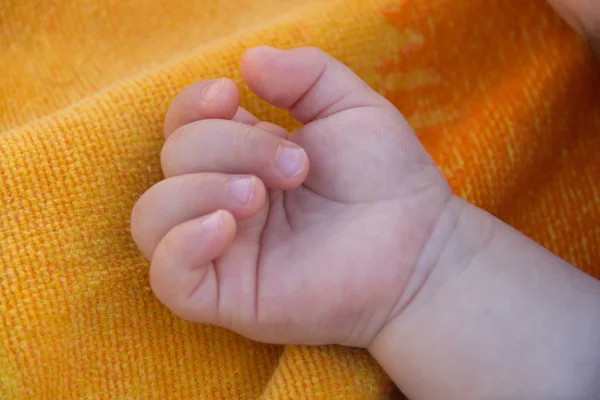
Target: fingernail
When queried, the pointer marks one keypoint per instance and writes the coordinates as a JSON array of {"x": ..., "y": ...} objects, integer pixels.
[
  {"x": 241, "y": 190},
  {"x": 211, "y": 89},
  {"x": 212, "y": 222},
  {"x": 290, "y": 160}
]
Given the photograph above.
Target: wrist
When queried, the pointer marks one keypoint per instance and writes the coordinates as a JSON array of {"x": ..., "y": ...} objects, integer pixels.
[
  {"x": 454, "y": 239},
  {"x": 492, "y": 315}
]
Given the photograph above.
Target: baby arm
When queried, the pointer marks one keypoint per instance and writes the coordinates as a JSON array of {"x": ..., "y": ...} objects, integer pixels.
[
  {"x": 498, "y": 317},
  {"x": 362, "y": 244}
]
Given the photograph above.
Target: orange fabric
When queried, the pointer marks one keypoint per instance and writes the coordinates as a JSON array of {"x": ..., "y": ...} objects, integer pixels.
[
  {"x": 509, "y": 107},
  {"x": 503, "y": 94}
]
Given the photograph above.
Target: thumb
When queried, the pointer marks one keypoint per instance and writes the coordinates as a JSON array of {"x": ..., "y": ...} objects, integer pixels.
[
  {"x": 359, "y": 144},
  {"x": 307, "y": 81}
]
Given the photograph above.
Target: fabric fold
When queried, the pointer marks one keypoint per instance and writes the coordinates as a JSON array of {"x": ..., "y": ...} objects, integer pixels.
[{"x": 504, "y": 95}]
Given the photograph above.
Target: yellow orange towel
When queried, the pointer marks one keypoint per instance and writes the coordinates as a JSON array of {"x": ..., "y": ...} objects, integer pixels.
[{"x": 503, "y": 94}]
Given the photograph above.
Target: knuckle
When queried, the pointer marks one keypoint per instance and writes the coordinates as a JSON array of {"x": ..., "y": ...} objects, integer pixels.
[
  {"x": 175, "y": 146},
  {"x": 143, "y": 213},
  {"x": 190, "y": 101},
  {"x": 250, "y": 136},
  {"x": 138, "y": 216},
  {"x": 168, "y": 152},
  {"x": 321, "y": 57},
  {"x": 165, "y": 160},
  {"x": 251, "y": 141},
  {"x": 316, "y": 51},
  {"x": 134, "y": 221},
  {"x": 146, "y": 205},
  {"x": 173, "y": 243}
]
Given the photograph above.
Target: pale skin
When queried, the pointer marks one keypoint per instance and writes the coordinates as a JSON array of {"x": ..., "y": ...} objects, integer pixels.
[{"x": 345, "y": 232}]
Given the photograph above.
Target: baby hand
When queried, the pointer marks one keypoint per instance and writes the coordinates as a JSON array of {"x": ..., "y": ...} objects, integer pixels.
[{"x": 308, "y": 238}]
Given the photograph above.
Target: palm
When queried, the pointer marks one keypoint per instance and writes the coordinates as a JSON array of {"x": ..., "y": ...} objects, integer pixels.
[{"x": 323, "y": 248}]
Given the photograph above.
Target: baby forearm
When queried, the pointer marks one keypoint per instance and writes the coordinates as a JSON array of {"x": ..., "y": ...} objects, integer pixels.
[{"x": 499, "y": 317}]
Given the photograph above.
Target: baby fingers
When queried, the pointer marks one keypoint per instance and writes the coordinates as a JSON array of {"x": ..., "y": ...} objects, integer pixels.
[
  {"x": 182, "y": 274},
  {"x": 182, "y": 198},
  {"x": 235, "y": 148}
]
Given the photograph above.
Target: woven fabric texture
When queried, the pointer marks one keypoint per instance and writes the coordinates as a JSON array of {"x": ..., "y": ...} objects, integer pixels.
[{"x": 502, "y": 93}]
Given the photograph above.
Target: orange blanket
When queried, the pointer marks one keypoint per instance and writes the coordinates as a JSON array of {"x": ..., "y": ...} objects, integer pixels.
[{"x": 503, "y": 94}]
